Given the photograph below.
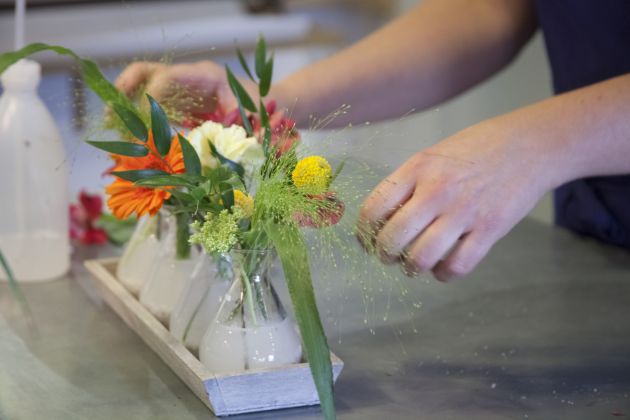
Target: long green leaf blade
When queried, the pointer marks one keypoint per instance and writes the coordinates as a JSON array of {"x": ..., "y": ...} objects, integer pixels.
[
  {"x": 160, "y": 127},
  {"x": 191, "y": 158},
  {"x": 133, "y": 123},
  {"x": 265, "y": 79},
  {"x": 261, "y": 56},
  {"x": 292, "y": 252},
  {"x": 121, "y": 148},
  {"x": 165, "y": 181},
  {"x": 244, "y": 65},
  {"x": 90, "y": 71},
  {"x": 264, "y": 122},
  {"x": 138, "y": 174},
  {"x": 239, "y": 91}
]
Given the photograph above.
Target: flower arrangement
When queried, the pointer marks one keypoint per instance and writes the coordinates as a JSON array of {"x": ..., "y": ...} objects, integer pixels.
[{"x": 236, "y": 181}]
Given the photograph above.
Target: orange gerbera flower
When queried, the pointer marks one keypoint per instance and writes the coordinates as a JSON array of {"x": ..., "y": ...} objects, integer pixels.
[{"x": 126, "y": 197}]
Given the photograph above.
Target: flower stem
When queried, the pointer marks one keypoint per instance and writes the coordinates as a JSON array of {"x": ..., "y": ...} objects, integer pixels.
[
  {"x": 182, "y": 244},
  {"x": 249, "y": 297}
]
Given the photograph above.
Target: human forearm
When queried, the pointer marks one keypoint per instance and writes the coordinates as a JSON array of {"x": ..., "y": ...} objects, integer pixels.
[
  {"x": 430, "y": 54},
  {"x": 582, "y": 133}
]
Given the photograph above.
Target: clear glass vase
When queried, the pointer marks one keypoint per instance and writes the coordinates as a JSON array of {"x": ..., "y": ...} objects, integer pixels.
[
  {"x": 251, "y": 329},
  {"x": 173, "y": 264},
  {"x": 199, "y": 301},
  {"x": 135, "y": 264}
]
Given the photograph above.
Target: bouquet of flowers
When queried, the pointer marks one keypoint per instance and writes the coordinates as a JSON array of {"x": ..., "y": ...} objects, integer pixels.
[{"x": 235, "y": 182}]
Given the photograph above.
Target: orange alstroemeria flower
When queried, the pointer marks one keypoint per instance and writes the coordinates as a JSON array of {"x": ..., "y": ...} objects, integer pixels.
[{"x": 126, "y": 198}]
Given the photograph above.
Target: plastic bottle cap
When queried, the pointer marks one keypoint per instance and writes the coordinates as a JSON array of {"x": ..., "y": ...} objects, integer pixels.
[{"x": 23, "y": 75}]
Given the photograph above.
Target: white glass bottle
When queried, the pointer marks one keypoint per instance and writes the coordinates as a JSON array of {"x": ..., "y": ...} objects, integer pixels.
[
  {"x": 138, "y": 258},
  {"x": 200, "y": 299},
  {"x": 34, "y": 187},
  {"x": 169, "y": 271},
  {"x": 251, "y": 329}
]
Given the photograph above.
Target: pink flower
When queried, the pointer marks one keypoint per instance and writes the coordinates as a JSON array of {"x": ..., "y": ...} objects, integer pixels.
[
  {"x": 329, "y": 212},
  {"x": 83, "y": 217}
]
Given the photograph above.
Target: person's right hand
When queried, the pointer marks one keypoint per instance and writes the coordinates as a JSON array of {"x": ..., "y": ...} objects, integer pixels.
[{"x": 185, "y": 90}]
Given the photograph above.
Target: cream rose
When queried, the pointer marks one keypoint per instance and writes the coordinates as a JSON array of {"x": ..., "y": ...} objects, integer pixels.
[{"x": 231, "y": 142}]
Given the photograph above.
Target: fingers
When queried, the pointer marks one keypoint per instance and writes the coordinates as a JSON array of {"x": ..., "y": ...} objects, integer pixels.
[
  {"x": 464, "y": 257},
  {"x": 135, "y": 76},
  {"x": 403, "y": 227},
  {"x": 386, "y": 198},
  {"x": 432, "y": 245}
]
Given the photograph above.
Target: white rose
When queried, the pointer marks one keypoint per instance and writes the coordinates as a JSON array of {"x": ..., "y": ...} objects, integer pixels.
[
  {"x": 231, "y": 142},
  {"x": 199, "y": 137}
]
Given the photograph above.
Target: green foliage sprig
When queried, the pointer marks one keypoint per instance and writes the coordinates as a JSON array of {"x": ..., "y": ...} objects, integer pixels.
[{"x": 263, "y": 67}]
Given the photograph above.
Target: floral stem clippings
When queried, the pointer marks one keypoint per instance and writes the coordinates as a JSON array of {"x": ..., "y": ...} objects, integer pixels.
[{"x": 239, "y": 181}]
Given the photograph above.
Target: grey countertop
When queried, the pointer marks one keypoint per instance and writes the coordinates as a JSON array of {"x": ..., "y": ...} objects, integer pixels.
[{"x": 541, "y": 331}]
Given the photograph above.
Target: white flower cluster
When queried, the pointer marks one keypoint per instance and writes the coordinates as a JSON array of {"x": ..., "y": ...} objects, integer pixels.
[{"x": 231, "y": 142}]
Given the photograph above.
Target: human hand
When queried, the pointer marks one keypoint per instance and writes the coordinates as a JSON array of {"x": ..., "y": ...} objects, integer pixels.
[
  {"x": 187, "y": 91},
  {"x": 444, "y": 208}
]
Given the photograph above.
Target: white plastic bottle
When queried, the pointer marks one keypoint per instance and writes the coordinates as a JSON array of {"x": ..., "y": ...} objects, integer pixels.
[{"x": 33, "y": 180}]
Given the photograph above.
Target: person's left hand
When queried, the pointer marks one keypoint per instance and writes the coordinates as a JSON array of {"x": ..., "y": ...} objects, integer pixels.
[{"x": 445, "y": 207}]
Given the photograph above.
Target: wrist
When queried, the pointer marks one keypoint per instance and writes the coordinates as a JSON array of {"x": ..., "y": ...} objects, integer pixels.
[{"x": 543, "y": 144}]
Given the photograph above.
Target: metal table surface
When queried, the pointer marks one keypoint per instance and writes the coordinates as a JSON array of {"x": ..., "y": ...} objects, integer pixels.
[{"x": 541, "y": 330}]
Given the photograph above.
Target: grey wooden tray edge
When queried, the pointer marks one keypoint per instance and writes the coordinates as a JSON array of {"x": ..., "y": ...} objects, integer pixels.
[{"x": 225, "y": 394}]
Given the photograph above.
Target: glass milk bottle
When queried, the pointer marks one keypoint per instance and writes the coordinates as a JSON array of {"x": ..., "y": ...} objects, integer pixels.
[
  {"x": 169, "y": 271},
  {"x": 34, "y": 187},
  {"x": 138, "y": 258},
  {"x": 200, "y": 299},
  {"x": 251, "y": 329}
]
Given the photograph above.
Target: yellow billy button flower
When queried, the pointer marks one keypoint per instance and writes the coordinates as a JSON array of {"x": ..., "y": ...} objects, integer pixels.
[
  {"x": 312, "y": 175},
  {"x": 245, "y": 202}
]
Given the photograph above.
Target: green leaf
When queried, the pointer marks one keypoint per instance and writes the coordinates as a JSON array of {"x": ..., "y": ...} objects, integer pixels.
[
  {"x": 138, "y": 174},
  {"x": 264, "y": 121},
  {"x": 160, "y": 127},
  {"x": 225, "y": 161},
  {"x": 121, "y": 148},
  {"x": 133, "y": 123},
  {"x": 244, "y": 65},
  {"x": 165, "y": 180},
  {"x": 227, "y": 193},
  {"x": 191, "y": 158},
  {"x": 265, "y": 79},
  {"x": 292, "y": 252},
  {"x": 246, "y": 124},
  {"x": 183, "y": 197},
  {"x": 118, "y": 231},
  {"x": 92, "y": 76},
  {"x": 198, "y": 193},
  {"x": 261, "y": 56},
  {"x": 239, "y": 91},
  {"x": 13, "y": 284}
]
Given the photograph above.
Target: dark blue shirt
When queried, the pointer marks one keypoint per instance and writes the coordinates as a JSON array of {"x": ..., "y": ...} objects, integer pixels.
[{"x": 588, "y": 41}]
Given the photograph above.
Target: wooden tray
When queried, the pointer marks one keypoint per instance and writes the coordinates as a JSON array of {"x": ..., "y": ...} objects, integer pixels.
[{"x": 225, "y": 394}]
